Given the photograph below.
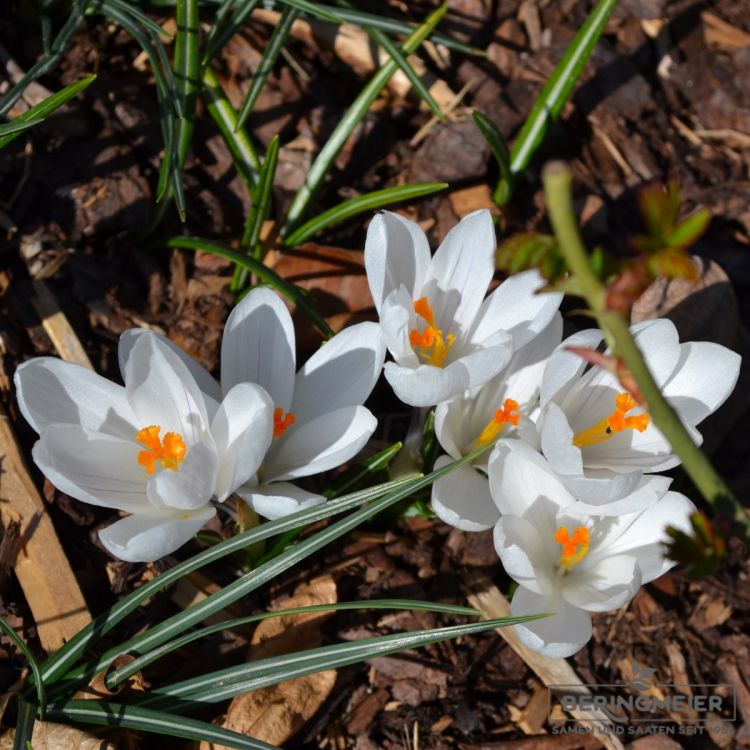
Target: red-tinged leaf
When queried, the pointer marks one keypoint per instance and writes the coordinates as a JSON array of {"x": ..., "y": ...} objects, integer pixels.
[
  {"x": 691, "y": 229},
  {"x": 628, "y": 287},
  {"x": 674, "y": 264}
]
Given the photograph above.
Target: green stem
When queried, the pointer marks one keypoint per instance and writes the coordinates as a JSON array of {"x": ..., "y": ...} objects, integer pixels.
[{"x": 557, "y": 187}]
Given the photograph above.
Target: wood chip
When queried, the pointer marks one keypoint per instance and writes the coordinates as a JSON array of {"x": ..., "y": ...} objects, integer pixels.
[
  {"x": 274, "y": 714},
  {"x": 49, "y": 736}
]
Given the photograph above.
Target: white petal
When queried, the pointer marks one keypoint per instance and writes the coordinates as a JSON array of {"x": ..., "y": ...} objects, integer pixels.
[
  {"x": 523, "y": 484},
  {"x": 660, "y": 344},
  {"x": 258, "y": 346},
  {"x": 51, "y": 391},
  {"x": 318, "y": 445},
  {"x": 424, "y": 385},
  {"x": 242, "y": 430},
  {"x": 462, "y": 498},
  {"x": 189, "y": 487},
  {"x": 148, "y": 537},
  {"x": 514, "y": 307},
  {"x": 93, "y": 467},
  {"x": 396, "y": 253},
  {"x": 461, "y": 271},
  {"x": 608, "y": 585},
  {"x": 703, "y": 379},
  {"x": 341, "y": 373},
  {"x": 453, "y": 425},
  {"x": 559, "y": 636},
  {"x": 604, "y": 489},
  {"x": 162, "y": 391},
  {"x": 397, "y": 319},
  {"x": 476, "y": 366},
  {"x": 564, "y": 367},
  {"x": 527, "y": 557},
  {"x": 525, "y": 371},
  {"x": 278, "y": 499},
  {"x": 557, "y": 442},
  {"x": 206, "y": 382},
  {"x": 643, "y": 534}
]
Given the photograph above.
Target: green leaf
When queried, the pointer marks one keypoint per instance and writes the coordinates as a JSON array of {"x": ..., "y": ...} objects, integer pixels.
[
  {"x": 49, "y": 60},
  {"x": 229, "y": 20},
  {"x": 403, "y": 63},
  {"x": 244, "y": 155},
  {"x": 105, "y": 714},
  {"x": 362, "y": 203},
  {"x": 243, "y": 678},
  {"x": 282, "y": 286},
  {"x": 39, "y": 112},
  {"x": 270, "y": 54},
  {"x": 258, "y": 213},
  {"x": 314, "y": 9},
  {"x": 352, "y": 117},
  {"x": 24, "y": 649},
  {"x": 553, "y": 96},
  {"x": 62, "y": 660},
  {"x": 367, "y": 469},
  {"x": 117, "y": 676},
  {"x": 24, "y": 724},
  {"x": 496, "y": 143}
]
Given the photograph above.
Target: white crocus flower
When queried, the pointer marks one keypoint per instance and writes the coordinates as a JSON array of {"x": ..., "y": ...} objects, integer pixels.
[
  {"x": 444, "y": 336},
  {"x": 594, "y": 434},
  {"x": 506, "y": 406},
  {"x": 156, "y": 448},
  {"x": 566, "y": 560},
  {"x": 319, "y": 422}
]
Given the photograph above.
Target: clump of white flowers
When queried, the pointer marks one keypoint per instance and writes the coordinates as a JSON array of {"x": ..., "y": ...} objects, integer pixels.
[{"x": 572, "y": 487}]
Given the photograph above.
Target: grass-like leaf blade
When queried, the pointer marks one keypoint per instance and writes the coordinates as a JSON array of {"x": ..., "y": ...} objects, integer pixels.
[
  {"x": 244, "y": 155},
  {"x": 270, "y": 55},
  {"x": 362, "y": 203},
  {"x": 105, "y": 714},
  {"x": 64, "y": 659},
  {"x": 41, "y": 695},
  {"x": 122, "y": 673},
  {"x": 258, "y": 214},
  {"x": 352, "y": 117},
  {"x": 243, "y": 678},
  {"x": 495, "y": 141},
  {"x": 40, "y": 111},
  {"x": 553, "y": 96}
]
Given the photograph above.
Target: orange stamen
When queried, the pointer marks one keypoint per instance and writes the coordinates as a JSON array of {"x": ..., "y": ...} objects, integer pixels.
[
  {"x": 282, "y": 421},
  {"x": 509, "y": 414},
  {"x": 169, "y": 452},
  {"x": 434, "y": 347},
  {"x": 616, "y": 422},
  {"x": 574, "y": 548}
]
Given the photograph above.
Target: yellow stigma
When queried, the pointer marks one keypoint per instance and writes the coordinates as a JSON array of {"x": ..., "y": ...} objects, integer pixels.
[
  {"x": 614, "y": 423},
  {"x": 433, "y": 346},
  {"x": 282, "y": 421},
  {"x": 573, "y": 548},
  {"x": 507, "y": 415},
  {"x": 169, "y": 452}
]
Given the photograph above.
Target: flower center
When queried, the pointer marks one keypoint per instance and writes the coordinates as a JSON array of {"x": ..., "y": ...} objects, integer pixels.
[
  {"x": 432, "y": 346},
  {"x": 282, "y": 421},
  {"x": 169, "y": 452},
  {"x": 614, "y": 423},
  {"x": 573, "y": 548},
  {"x": 507, "y": 415}
]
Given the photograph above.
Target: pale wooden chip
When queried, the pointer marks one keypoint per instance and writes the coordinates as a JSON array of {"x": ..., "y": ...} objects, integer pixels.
[{"x": 276, "y": 713}]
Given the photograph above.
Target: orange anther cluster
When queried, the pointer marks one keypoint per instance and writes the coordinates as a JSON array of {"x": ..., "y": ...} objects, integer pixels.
[
  {"x": 574, "y": 548},
  {"x": 434, "y": 347},
  {"x": 282, "y": 421},
  {"x": 169, "y": 452},
  {"x": 616, "y": 422},
  {"x": 508, "y": 414}
]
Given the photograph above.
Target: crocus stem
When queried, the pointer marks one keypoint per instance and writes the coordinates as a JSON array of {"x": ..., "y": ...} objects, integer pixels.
[{"x": 557, "y": 187}]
